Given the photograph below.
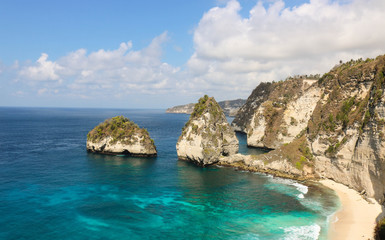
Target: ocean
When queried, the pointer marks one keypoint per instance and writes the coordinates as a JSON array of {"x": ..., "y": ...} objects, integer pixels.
[{"x": 51, "y": 188}]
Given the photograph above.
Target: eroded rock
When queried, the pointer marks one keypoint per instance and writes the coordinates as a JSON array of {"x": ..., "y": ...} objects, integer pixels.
[
  {"x": 207, "y": 135},
  {"x": 119, "y": 135}
]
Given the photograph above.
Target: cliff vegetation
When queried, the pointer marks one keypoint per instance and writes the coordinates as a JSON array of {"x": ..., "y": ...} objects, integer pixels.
[{"x": 119, "y": 128}]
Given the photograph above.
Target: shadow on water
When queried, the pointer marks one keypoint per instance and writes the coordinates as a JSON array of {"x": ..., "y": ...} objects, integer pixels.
[
  {"x": 118, "y": 160},
  {"x": 244, "y": 149}
]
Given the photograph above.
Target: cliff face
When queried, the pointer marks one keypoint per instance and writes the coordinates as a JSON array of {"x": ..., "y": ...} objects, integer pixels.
[
  {"x": 245, "y": 113},
  {"x": 229, "y": 107},
  {"x": 284, "y": 114},
  {"x": 119, "y": 135},
  {"x": 207, "y": 135},
  {"x": 346, "y": 131},
  {"x": 333, "y": 128}
]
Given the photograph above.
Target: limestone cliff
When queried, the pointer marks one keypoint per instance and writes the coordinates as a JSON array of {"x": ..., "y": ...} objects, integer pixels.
[
  {"x": 207, "y": 135},
  {"x": 119, "y": 135},
  {"x": 231, "y": 107},
  {"x": 245, "y": 113},
  {"x": 333, "y": 128},
  {"x": 346, "y": 130},
  {"x": 284, "y": 114}
]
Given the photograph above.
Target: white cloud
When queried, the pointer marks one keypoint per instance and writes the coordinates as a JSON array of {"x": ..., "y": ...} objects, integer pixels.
[
  {"x": 234, "y": 52},
  {"x": 104, "y": 73},
  {"x": 42, "y": 70}
]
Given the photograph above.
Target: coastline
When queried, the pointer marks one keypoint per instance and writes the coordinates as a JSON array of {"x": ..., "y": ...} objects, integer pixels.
[{"x": 356, "y": 217}]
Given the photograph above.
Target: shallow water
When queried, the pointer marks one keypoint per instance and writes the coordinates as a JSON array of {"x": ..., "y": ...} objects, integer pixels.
[{"x": 51, "y": 188}]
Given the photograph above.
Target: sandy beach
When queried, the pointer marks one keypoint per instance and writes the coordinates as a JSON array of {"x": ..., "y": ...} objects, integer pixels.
[{"x": 356, "y": 218}]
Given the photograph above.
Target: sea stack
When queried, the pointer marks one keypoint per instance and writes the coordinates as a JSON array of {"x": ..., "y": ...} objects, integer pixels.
[
  {"x": 207, "y": 135},
  {"x": 119, "y": 135}
]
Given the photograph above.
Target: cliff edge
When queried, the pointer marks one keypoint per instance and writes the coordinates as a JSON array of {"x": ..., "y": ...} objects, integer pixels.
[{"x": 333, "y": 127}]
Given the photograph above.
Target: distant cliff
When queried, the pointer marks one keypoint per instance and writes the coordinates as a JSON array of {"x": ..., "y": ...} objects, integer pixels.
[
  {"x": 333, "y": 127},
  {"x": 230, "y": 107}
]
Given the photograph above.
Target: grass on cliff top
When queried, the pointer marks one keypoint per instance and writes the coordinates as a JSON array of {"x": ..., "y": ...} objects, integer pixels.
[
  {"x": 283, "y": 92},
  {"x": 205, "y": 104},
  {"x": 341, "y": 110},
  {"x": 120, "y": 129}
]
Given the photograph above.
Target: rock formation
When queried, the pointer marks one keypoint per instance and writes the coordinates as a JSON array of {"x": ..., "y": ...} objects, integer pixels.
[
  {"x": 207, "y": 135},
  {"x": 230, "y": 107},
  {"x": 186, "y": 109},
  {"x": 284, "y": 114},
  {"x": 346, "y": 130},
  {"x": 332, "y": 128},
  {"x": 245, "y": 113},
  {"x": 119, "y": 135}
]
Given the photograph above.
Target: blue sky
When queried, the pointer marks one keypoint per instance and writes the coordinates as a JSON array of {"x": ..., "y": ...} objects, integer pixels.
[{"x": 156, "y": 54}]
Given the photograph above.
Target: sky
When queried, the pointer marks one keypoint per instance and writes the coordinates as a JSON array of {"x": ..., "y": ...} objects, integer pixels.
[{"x": 158, "y": 54}]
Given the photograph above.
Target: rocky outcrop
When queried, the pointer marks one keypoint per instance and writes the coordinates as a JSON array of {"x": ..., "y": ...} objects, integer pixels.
[
  {"x": 332, "y": 128},
  {"x": 293, "y": 160},
  {"x": 119, "y": 135},
  {"x": 284, "y": 114},
  {"x": 207, "y": 135},
  {"x": 229, "y": 107},
  {"x": 346, "y": 130},
  {"x": 246, "y": 112}
]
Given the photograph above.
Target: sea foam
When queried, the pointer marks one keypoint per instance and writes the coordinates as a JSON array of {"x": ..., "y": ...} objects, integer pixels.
[
  {"x": 300, "y": 187},
  {"x": 310, "y": 232}
]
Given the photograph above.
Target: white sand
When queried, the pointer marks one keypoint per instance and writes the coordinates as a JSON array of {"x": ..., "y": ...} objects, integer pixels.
[{"x": 357, "y": 217}]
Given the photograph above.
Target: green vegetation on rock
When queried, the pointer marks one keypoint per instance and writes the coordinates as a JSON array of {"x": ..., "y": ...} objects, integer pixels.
[
  {"x": 379, "y": 230},
  {"x": 345, "y": 106},
  {"x": 119, "y": 129},
  {"x": 208, "y": 131}
]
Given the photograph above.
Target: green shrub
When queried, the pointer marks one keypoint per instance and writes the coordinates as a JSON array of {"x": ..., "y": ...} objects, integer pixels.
[
  {"x": 379, "y": 230},
  {"x": 119, "y": 128}
]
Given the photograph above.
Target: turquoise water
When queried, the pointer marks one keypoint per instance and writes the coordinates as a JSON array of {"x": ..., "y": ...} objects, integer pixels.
[{"x": 51, "y": 188}]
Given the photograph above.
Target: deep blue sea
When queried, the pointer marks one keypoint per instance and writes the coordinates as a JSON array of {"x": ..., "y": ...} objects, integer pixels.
[{"x": 51, "y": 188}]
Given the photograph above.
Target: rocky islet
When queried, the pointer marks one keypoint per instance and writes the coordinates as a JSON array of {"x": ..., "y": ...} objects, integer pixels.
[
  {"x": 207, "y": 135},
  {"x": 119, "y": 135}
]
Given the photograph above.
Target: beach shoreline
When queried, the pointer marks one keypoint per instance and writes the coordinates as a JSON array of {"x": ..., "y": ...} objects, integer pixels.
[{"x": 356, "y": 217}]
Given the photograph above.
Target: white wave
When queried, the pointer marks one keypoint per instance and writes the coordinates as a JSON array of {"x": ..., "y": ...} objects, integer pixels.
[
  {"x": 300, "y": 187},
  {"x": 301, "y": 196},
  {"x": 310, "y": 232}
]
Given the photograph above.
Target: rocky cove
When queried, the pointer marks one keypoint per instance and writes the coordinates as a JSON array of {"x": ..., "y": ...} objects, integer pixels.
[
  {"x": 329, "y": 127},
  {"x": 317, "y": 127}
]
